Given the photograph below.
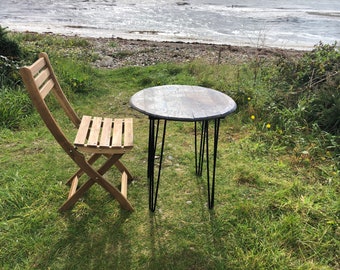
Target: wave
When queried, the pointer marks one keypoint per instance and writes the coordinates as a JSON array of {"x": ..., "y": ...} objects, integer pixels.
[{"x": 293, "y": 24}]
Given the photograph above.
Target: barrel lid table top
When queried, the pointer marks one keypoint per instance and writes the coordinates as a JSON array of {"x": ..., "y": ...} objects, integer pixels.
[{"x": 182, "y": 103}]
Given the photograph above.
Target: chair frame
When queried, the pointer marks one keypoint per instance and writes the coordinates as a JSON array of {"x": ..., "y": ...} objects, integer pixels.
[{"x": 89, "y": 146}]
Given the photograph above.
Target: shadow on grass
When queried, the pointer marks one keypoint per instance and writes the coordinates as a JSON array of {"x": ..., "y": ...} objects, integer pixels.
[
  {"x": 91, "y": 242},
  {"x": 167, "y": 256},
  {"x": 198, "y": 244}
]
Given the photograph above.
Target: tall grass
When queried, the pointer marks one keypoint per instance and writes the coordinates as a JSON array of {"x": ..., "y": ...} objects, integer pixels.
[{"x": 277, "y": 188}]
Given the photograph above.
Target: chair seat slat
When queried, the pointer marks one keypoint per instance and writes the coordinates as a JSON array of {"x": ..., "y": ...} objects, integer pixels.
[
  {"x": 117, "y": 133},
  {"x": 105, "y": 137},
  {"x": 95, "y": 131},
  {"x": 83, "y": 130},
  {"x": 128, "y": 132}
]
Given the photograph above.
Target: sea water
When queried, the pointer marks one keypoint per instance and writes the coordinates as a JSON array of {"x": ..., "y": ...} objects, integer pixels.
[{"x": 298, "y": 24}]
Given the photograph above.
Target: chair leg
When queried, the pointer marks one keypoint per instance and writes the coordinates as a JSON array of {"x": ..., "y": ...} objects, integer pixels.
[
  {"x": 122, "y": 168},
  {"x": 124, "y": 184},
  {"x": 80, "y": 172},
  {"x": 77, "y": 195},
  {"x": 97, "y": 177},
  {"x": 74, "y": 186}
]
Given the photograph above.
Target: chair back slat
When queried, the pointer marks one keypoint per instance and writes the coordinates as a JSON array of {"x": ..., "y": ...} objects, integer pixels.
[
  {"x": 42, "y": 77},
  {"x": 46, "y": 88},
  {"x": 38, "y": 65},
  {"x": 59, "y": 94}
]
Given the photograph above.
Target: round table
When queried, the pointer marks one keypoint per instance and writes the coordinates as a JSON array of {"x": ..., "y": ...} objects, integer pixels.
[{"x": 182, "y": 103}]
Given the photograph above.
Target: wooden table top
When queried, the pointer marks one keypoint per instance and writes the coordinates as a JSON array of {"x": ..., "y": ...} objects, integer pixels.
[{"x": 182, "y": 103}]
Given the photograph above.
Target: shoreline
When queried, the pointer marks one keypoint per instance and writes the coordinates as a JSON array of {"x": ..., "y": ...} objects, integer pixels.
[
  {"x": 118, "y": 52},
  {"x": 137, "y": 52}
]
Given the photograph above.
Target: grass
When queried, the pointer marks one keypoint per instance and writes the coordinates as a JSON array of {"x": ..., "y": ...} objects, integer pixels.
[{"x": 276, "y": 206}]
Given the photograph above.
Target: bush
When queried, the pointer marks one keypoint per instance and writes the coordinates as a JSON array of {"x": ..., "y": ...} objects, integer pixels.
[
  {"x": 10, "y": 54},
  {"x": 309, "y": 88},
  {"x": 8, "y": 47},
  {"x": 9, "y": 76}
]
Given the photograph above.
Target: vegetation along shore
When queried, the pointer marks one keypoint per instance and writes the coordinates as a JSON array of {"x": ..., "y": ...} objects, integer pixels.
[{"x": 277, "y": 186}]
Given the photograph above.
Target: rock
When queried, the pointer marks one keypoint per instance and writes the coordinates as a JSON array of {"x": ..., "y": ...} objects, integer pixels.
[{"x": 106, "y": 61}]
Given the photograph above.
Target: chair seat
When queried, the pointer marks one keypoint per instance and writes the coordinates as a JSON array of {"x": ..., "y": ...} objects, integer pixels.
[{"x": 104, "y": 135}]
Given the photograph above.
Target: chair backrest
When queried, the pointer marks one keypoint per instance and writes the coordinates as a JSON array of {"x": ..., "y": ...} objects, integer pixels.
[{"x": 40, "y": 80}]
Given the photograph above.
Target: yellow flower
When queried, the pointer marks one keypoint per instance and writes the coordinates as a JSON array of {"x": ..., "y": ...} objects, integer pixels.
[
  {"x": 252, "y": 117},
  {"x": 249, "y": 98},
  {"x": 268, "y": 126}
]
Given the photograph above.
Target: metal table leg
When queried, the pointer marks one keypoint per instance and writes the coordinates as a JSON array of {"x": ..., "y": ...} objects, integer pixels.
[
  {"x": 204, "y": 149},
  {"x": 199, "y": 158},
  {"x": 153, "y": 136}
]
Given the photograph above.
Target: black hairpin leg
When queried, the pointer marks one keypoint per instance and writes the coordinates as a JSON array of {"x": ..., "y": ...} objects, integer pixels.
[
  {"x": 153, "y": 135},
  {"x": 199, "y": 156},
  {"x": 204, "y": 149}
]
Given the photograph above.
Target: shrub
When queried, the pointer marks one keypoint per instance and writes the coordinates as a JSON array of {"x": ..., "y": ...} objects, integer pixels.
[
  {"x": 9, "y": 60},
  {"x": 310, "y": 87},
  {"x": 9, "y": 76},
  {"x": 8, "y": 47}
]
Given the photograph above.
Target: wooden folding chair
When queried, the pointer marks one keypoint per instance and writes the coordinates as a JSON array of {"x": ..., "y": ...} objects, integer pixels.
[{"x": 96, "y": 136}]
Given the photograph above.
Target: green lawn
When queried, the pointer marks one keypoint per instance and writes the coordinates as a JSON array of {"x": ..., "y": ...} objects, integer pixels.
[{"x": 276, "y": 204}]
